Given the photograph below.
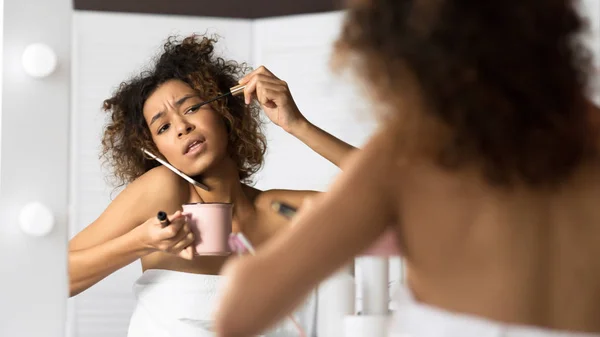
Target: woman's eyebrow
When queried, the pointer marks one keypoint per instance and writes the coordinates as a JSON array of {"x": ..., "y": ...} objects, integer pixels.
[{"x": 177, "y": 104}]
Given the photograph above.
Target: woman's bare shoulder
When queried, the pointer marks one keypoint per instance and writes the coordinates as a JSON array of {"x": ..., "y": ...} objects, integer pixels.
[
  {"x": 159, "y": 185},
  {"x": 263, "y": 199}
]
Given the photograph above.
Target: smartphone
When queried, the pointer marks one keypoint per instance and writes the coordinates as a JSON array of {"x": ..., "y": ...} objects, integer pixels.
[{"x": 240, "y": 244}]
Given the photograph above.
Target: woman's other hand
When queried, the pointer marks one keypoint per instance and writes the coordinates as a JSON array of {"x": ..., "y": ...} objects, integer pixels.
[{"x": 175, "y": 238}]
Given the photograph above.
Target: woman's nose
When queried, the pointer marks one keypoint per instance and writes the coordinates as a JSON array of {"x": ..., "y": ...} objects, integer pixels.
[{"x": 184, "y": 128}]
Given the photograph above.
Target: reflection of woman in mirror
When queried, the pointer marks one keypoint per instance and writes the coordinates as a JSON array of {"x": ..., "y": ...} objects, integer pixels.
[
  {"x": 487, "y": 166},
  {"x": 220, "y": 144}
]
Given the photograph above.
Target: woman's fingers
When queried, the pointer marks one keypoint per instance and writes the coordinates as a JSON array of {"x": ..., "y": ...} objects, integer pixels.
[{"x": 253, "y": 85}]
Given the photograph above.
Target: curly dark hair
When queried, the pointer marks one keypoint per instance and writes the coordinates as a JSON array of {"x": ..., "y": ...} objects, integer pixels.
[
  {"x": 507, "y": 79},
  {"x": 191, "y": 60}
]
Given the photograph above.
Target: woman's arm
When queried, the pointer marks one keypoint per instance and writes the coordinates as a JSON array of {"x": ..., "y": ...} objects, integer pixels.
[
  {"x": 114, "y": 240},
  {"x": 89, "y": 266},
  {"x": 340, "y": 224},
  {"x": 276, "y": 100},
  {"x": 326, "y": 145}
]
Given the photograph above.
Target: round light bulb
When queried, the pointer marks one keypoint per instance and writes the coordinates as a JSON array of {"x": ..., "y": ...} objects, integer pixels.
[
  {"x": 39, "y": 60},
  {"x": 36, "y": 219}
]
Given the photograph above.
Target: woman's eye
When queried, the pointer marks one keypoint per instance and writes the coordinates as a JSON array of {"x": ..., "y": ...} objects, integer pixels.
[
  {"x": 194, "y": 108},
  {"x": 163, "y": 128}
]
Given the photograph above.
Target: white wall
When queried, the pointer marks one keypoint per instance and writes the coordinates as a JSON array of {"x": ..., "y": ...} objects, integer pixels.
[
  {"x": 34, "y": 148},
  {"x": 591, "y": 10},
  {"x": 298, "y": 49},
  {"x": 594, "y": 14},
  {"x": 107, "y": 49}
]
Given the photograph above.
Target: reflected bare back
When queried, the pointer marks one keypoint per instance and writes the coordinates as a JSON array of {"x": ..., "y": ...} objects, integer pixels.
[{"x": 513, "y": 255}]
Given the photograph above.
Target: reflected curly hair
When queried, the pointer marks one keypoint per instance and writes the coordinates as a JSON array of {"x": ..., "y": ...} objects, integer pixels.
[
  {"x": 192, "y": 61},
  {"x": 507, "y": 80}
]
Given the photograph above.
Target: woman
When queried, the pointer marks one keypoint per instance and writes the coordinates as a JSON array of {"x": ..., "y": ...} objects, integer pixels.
[
  {"x": 221, "y": 145},
  {"x": 487, "y": 166}
]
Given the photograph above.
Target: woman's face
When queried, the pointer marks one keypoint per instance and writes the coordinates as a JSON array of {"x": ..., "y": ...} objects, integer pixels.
[{"x": 191, "y": 139}]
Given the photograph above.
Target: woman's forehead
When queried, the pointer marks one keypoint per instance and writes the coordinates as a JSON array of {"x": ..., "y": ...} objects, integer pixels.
[{"x": 168, "y": 94}]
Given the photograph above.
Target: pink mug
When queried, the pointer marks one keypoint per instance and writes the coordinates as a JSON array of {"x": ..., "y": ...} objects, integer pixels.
[{"x": 211, "y": 224}]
